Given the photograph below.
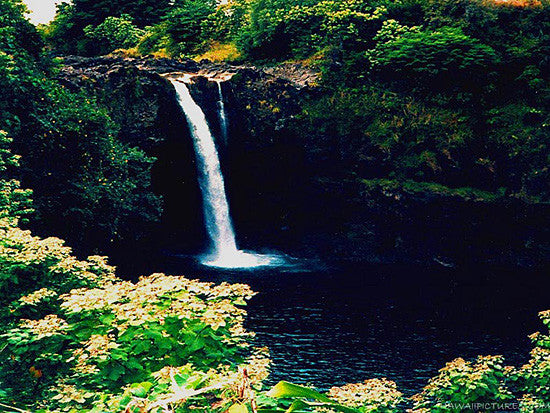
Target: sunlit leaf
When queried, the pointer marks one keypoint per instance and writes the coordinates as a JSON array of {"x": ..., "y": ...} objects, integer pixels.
[
  {"x": 285, "y": 390},
  {"x": 238, "y": 408}
]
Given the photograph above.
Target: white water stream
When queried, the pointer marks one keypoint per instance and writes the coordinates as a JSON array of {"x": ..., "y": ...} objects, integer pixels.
[{"x": 221, "y": 113}]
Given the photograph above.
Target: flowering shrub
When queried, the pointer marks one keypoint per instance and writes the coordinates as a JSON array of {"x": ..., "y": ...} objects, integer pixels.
[
  {"x": 34, "y": 271},
  {"x": 487, "y": 382},
  {"x": 534, "y": 377},
  {"x": 106, "y": 338},
  {"x": 374, "y": 395},
  {"x": 462, "y": 382}
]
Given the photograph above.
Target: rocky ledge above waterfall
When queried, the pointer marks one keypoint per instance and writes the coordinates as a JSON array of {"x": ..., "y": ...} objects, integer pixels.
[
  {"x": 297, "y": 75},
  {"x": 143, "y": 103}
]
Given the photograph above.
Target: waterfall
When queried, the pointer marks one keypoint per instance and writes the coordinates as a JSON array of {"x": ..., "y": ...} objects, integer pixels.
[
  {"x": 222, "y": 114},
  {"x": 223, "y": 251},
  {"x": 216, "y": 208}
]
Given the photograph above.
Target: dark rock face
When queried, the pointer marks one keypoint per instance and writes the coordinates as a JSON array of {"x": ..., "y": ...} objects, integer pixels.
[
  {"x": 144, "y": 105},
  {"x": 443, "y": 230},
  {"x": 277, "y": 199}
]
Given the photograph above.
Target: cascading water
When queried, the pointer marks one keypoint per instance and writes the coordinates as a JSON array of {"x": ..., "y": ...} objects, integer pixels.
[
  {"x": 223, "y": 250},
  {"x": 222, "y": 114}
]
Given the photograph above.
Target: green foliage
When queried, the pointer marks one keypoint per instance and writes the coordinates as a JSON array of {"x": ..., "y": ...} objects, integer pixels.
[
  {"x": 188, "y": 26},
  {"x": 533, "y": 379},
  {"x": 372, "y": 396},
  {"x": 304, "y": 398},
  {"x": 518, "y": 137},
  {"x": 279, "y": 30},
  {"x": 415, "y": 187},
  {"x": 115, "y": 33},
  {"x": 154, "y": 40},
  {"x": 376, "y": 133},
  {"x": 60, "y": 33},
  {"x": 17, "y": 35},
  {"x": 67, "y": 32},
  {"x": 88, "y": 187},
  {"x": 447, "y": 92},
  {"x": 288, "y": 390},
  {"x": 143, "y": 12},
  {"x": 15, "y": 203},
  {"x": 462, "y": 382},
  {"x": 440, "y": 59}
]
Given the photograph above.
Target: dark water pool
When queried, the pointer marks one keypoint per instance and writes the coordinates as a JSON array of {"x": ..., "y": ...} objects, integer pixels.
[{"x": 338, "y": 326}]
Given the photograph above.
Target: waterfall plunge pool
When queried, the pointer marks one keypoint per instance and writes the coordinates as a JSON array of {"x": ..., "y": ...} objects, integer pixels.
[
  {"x": 331, "y": 326},
  {"x": 241, "y": 259}
]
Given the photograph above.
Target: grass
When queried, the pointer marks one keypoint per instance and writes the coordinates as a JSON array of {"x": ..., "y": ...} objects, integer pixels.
[{"x": 220, "y": 52}]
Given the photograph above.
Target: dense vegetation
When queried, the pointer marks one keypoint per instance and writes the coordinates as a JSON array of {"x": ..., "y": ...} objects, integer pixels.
[
  {"x": 88, "y": 187},
  {"x": 454, "y": 93}
]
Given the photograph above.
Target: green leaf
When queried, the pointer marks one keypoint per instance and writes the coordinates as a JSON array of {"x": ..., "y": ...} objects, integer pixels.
[
  {"x": 107, "y": 319},
  {"x": 297, "y": 405},
  {"x": 238, "y": 408},
  {"x": 142, "y": 346},
  {"x": 196, "y": 345},
  {"x": 301, "y": 404},
  {"x": 288, "y": 390},
  {"x": 134, "y": 364},
  {"x": 140, "y": 389},
  {"x": 285, "y": 390},
  {"x": 115, "y": 373}
]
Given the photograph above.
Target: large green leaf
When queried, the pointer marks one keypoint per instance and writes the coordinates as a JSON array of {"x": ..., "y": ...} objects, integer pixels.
[
  {"x": 288, "y": 390},
  {"x": 238, "y": 408},
  {"x": 284, "y": 390},
  {"x": 301, "y": 405}
]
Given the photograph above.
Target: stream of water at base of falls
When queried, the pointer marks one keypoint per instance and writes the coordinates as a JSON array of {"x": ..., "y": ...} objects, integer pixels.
[{"x": 223, "y": 252}]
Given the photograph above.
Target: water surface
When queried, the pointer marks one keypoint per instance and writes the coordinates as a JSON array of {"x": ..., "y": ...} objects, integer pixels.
[{"x": 331, "y": 327}]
